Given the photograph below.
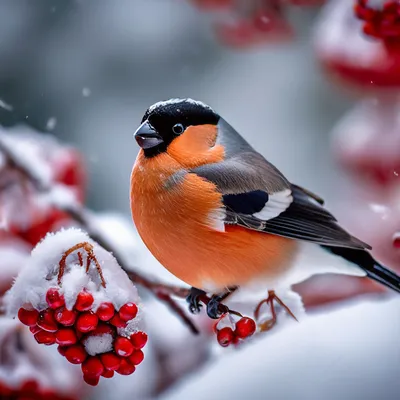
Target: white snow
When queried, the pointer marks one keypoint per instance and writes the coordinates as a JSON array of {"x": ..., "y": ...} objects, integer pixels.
[
  {"x": 347, "y": 354},
  {"x": 6, "y": 106},
  {"x": 86, "y": 92},
  {"x": 338, "y": 36},
  {"x": 177, "y": 101},
  {"x": 59, "y": 196},
  {"x": 98, "y": 344},
  {"x": 40, "y": 273},
  {"x": 27, "y": 152},
  {"x": 14, "y": 253},
  {"x": 51, "y": 123}
]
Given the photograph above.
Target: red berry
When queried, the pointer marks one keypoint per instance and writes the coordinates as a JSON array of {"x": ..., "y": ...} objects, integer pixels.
[
  {"x": 110, "y": 361},
  {"x": 105, "y": 311},
  {"x": 48, "y": 394},
  {"x": 91, "y": 380},
  {"x": 117, "y": 321},
  {"x": 34, "y": 329},
  {"x": 84, "y": 301},
  {"x": 123, "y": 347},
  {"x": 28, "y": 317},
  {"x": 28, "y": 387},
  {"x": 126, "y": 368},
  {"x": 128, "y": 311},
  {"x": 62, "y": 350},
  {"x": 5, "y": 392},
  {"x": 54, "y": 299},
  {"x": 245, "y": 327},
  {"x": 64, "y": 316},
  {"x": 103, "y": 329},
  {"x": 92, "y": 366},
  {"x": 66, "y": 337},
  {"x": 46, "y": 321},
  {"x": 107, "y": 373},
  {"x": 86, "y": 322},
  {"x": 225, "y": 336},
  {"x": 138, "y": 339},
  {"x": 47, "y": 338},
  {"x": 76, "y": 354},
  {"x": 136, "y": 357},
  {"x": 396, "y": 242}
]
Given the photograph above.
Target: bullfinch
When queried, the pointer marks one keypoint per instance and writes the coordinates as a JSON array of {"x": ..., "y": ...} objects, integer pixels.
[{"x": 218, "y": 215}]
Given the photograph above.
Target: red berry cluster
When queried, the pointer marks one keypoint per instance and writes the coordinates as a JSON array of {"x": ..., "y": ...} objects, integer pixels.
[
  {"x": 252, "y": 22},
  {"x": 68, "y": 170},
  {"x": 71, "y": 330},
  {"x": 396, "y": 241},
  {"x": 380, "y": 23},
  {"x": 263, "y": 26},
  {"x": 382, "y": 174},
  {"x": 249, "y": 22},
  {"x": 244, "y": 328},
  {"x": 29, "y": 390}
]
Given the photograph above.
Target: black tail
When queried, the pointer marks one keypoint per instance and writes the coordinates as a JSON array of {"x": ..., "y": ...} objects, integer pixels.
[{"x": 374, "y": 270}]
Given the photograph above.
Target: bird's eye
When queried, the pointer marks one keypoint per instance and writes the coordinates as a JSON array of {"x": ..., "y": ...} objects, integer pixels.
[{"x": 178, "y": 129}]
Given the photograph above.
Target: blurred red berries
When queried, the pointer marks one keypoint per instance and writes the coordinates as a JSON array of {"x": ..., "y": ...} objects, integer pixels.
[
  {"x": 30, "y": 390},
  {"x": 351, "y": 56},
  {"x": 380, "y": 22},
  {"x": 249, "y": 23}
]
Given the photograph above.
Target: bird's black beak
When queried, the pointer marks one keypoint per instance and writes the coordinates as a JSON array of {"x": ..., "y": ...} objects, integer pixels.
[{"x": 147, "y": 137}]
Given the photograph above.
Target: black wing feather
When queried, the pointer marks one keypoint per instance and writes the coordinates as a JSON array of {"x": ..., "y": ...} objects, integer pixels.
[
  {"x": 246, "y": 203},
  {"x": 305, "y": 219}
]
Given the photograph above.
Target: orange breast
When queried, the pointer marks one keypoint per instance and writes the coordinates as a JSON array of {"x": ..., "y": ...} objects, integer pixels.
[{"x": 172, "y": 222}]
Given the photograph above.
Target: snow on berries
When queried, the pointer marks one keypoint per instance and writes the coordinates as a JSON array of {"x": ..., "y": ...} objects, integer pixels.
[
  {"x": 230, "y": 331},
  {"x": 379, "y": 22},
  {"x": 72, "y": 293}
]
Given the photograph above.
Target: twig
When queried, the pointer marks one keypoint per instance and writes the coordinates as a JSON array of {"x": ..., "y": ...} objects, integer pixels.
[{"x": 90, "y": 257}]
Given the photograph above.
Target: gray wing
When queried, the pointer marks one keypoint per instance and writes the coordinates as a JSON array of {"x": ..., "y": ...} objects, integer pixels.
[
  {"x": 305, "y": 219},
  {"x": 244, "y": 172},
  {"x": 256, "y": 195}
]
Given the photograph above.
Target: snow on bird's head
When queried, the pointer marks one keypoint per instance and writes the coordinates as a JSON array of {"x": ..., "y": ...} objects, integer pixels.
[
  {"x": 178, "y": 108},
  {"x": 177, "y": 102}
]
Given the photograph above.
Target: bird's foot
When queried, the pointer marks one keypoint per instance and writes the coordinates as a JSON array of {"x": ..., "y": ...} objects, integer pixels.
[
  {"x": 270, "y": 301},
  {"x": 215, "y": 308},
  {"x": 194, "y": 300}
]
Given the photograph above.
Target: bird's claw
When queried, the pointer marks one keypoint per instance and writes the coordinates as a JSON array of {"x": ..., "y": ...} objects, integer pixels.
[
  {"x": 215, "y": 309},
  {"x": 194, "y": 300}
]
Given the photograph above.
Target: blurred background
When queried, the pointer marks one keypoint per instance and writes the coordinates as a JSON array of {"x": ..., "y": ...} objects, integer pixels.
[
  {"x": 86, "y": 71},
  {"x": 311, "y": 84}
]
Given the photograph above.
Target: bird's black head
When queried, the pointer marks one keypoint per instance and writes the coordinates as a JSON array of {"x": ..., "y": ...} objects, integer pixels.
[{"x": 167, "y": 120}]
